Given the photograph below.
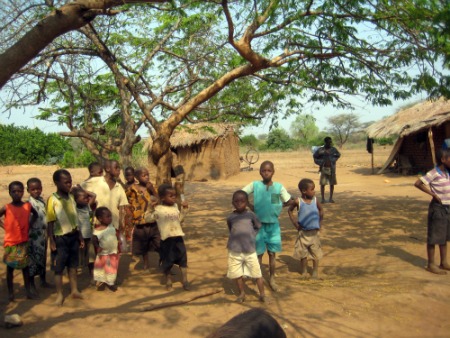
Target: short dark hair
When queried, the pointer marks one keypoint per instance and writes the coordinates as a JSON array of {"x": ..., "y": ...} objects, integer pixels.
[
  {"x": 94, "y": 165},
  {"x": 265, "y": 163},
  {"x": 100, "y": 211},
  {"x": 77, "y": 191},
  {"x": 163, "y": 188},
  {"x": 326, "y": 139},
  {"x": 240, "y": 192},
  {"x": 129, "y": 169},
  {"x": 16, "y": 184},
  {"x": 33, "y": 180},
  {"x": 442, "y": 153},
  {"x": 139, "y": 170},
  {"x": 303, "y": 184},
  {"x": 58, "y": 173}
]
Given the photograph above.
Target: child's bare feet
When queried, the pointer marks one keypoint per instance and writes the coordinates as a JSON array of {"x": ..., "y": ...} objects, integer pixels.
[
  {"x": 435, "y": 269},
  {"x": 47, "y": 285},
  {"x": 11, "y": 297},
  {"x": 264, "y": 299},
  {"x": 112, "y": 288},
  {"x": 169, "y": 287},
  {"x": 101, "y": 286},
  {"x": 187, "y": 286},
  {"x": 59, "y": 300},
  {"x": 32, "y": 295},
  {"x": 273, "y": 285},
  {"x": 77, "y": 295},
  {"x": 444, "y": 266},
  {"x": 240, "y": 299}
]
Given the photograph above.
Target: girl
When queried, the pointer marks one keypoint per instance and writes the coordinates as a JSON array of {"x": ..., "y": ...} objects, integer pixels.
[
  {"x": 37, "y": 235},
  {"x": 106, "y": 241},
  {"x": 16, "y": 224},
  {"x": 169, "y": 219},
  {"x": 86, "y": 202}
]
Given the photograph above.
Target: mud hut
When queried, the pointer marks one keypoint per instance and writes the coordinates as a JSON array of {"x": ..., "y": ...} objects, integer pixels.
[
  {"x": 206, "y": 151},
  {"x": 420, "y": 129}
]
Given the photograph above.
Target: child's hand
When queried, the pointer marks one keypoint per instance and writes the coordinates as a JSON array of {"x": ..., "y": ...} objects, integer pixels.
[
  {"x": 437, "y": 199},
  {"x": 185, "y": 204},
  {"x": 52, "y": 244}
]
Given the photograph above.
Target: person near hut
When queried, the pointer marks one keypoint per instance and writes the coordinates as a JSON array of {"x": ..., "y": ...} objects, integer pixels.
[
  {"x": 326, "y": 157},
  {"x": 436, "y": 183}
]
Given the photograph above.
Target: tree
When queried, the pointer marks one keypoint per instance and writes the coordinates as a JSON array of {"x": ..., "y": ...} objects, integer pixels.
[
  {"x": 342, "y": 126},
  {"x": 269, "y": 54},
  {"x": 278, "y": 139},
  {"x": 304, "y": 128}
]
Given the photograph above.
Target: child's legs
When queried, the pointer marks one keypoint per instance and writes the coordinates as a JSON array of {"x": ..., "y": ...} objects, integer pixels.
[
  {"x": 315, "y": 272},
  {"x": 443, "y": 252},
  {"x": 9, "y": 282},
  {"x": 273, "y": 243},
  {"x": 140, "y": 243},
  {"x": 240, "y": 285}
]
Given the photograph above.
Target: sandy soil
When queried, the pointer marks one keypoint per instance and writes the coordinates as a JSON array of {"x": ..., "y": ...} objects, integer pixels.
[{"x": 373, "y": 278}]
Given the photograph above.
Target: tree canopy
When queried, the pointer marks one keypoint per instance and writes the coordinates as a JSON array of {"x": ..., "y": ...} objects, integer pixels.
[{"x": 161, "y": 64}]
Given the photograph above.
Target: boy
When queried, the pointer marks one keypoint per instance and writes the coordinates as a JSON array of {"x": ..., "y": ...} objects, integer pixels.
[
  {"x": 96, "y": 184},
  {"x": 65, "y": 238},
  {"x": 436, "y": 183},
  {"x": 243, "y": 226},
  {"x": 118, "y": 202},
  {"x": 307, "y": 222},
  {"x": 268, "y": 201}
]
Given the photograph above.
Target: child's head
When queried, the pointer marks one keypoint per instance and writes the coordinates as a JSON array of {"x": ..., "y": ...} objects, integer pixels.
[
  {"x": 167, "y": 194},
  {"x": 306, "y": 187},
  {"x": 95, "y": 169},
  {"x": 266, "y": 170},
  {"x": 34, "y": 187},
  {"x": 142, "y": 175},
  {"x": 81, "y": 196},
  {"x": 240, "y": 200},
  {"x": 328, "y": 142},
  {"x": 16, "y": 190},
  {"x": 444, "y": 157},
  {"x": 112, "y": 168},
  {"x": 129, "y": 173},
  {"x": 104, "y": 215},
  {"x": 62, "y": 180}
]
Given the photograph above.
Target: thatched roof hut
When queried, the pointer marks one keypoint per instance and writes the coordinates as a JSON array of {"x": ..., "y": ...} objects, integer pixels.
[
  {"x": 421, "y": 130},
  {"x": 206, "y": 150}
]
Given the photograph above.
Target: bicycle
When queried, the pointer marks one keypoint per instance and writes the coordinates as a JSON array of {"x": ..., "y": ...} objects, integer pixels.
[{"x": 251, "y": 157}]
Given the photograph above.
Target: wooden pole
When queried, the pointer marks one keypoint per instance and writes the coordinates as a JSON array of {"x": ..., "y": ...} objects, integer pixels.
[
  {"x": 430, "y": 139},
  {"x": 371, "y": 155}
]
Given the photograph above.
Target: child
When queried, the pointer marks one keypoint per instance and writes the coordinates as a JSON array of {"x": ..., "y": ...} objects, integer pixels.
[
  {"x": 436, "y": 183},
  {"x": 307, "y": 222},
  {"x": 243, "y": 226},
  {"x": 38, "y": 239},
  {"x": 106, "y": 241},
  {"x": 268, "y": 199},
  {"x": 146, "y": 236},
  {"x": 64, "y": 235},
  {"x": 169, "y": 219},
  {"x": 85, "y": 201},
  {"x": 129, "y": 174},
  {"x": 96, "y": 184},
  {"x": 16, "y": 225}
]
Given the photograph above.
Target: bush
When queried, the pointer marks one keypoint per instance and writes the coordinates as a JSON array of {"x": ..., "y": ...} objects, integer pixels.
[
  {"x": 21, "y": 145},
  {"x": 278, "y": 139},
  {"x": 74, "y": 159},
  {"x": 383, "y": 141},
  {"x": 249, "y": 140}
]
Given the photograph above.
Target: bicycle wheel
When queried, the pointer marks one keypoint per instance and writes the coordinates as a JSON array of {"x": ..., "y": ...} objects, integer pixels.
[{"x": 251, "y": 156}]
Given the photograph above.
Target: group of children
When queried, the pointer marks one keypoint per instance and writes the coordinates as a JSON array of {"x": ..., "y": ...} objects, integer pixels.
[
  {"x": 69, "y": 222},
  {"x": 81, "y": 231}
]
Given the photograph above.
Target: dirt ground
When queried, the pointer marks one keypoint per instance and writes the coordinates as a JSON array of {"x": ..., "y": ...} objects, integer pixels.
[{"x": 373, "y": 279}]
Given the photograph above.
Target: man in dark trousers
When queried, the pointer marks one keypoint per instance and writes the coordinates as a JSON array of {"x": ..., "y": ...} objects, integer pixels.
[{"x": 326, "y": 157}]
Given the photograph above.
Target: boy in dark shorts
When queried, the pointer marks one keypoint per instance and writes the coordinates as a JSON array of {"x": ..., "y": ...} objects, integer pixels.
[
  {"x": 436, "y": 183},
  {"x": 65, "y": 238}
]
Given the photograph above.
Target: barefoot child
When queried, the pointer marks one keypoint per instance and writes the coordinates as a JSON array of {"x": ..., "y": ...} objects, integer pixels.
[
  {"x": 268, "y": 198},
  {"x": 64, "y": 235},
  {"x": 242, "y": 259},
  {"x": 169, "y": 219},
  {"x": 307, "y": 222},
  {"x": 38, "y": 239},
  {"x": 146, "y": 235},
  {"x": 106, "y": 243},
  {"x": 16, "y": 224},
  {"x": 86, "y": 202},
  {"x": 436, "y": 183}
]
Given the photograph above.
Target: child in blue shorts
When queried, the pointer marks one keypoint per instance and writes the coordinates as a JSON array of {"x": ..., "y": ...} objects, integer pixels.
[{"x": 268, "y": 198}]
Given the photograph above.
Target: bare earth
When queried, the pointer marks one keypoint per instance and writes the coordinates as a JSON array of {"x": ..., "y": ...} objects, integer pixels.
[{"x": 373, "y": 278}]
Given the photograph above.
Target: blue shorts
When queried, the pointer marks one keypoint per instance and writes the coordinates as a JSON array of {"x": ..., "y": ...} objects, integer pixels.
[{"x": 268, "y": 237}]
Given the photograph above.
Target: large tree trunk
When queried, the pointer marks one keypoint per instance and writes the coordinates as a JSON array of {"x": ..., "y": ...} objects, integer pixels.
[{"x": 164, "y": 167}]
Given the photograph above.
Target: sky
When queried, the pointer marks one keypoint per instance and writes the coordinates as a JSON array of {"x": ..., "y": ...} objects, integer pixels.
[{"x": 365, "y": 112}]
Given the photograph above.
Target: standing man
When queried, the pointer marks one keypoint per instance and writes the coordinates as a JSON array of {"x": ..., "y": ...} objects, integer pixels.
[{"x": 326, "y": 157}]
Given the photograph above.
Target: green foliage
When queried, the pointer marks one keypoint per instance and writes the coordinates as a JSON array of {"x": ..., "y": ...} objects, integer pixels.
[
  {"x": 21, "y": 145},
  {"x": 249, "y": 140},
  {"x": 73, "y": 159},
  {"x": 304, "y": 129},
  {"x": 382, "y": 141},
  {"x": 278, "y": 139},
  {"x": 342, "y": 126}
]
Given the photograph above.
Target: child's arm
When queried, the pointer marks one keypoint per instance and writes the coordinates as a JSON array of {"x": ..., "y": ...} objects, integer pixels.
[
  {"x": 96, "y": 244},
  {"x": 184, "y": 210},
  {"x": 151, "y": 189},
  {"x": 2, "y": 213},
  {"x": 423, "y": 187},
  {"x": 294, "y": 205},
  {"x": 92, "y": 199},
  {"x": 51, "y": 235},
  {"x": 34, "y": 216},
  {"x": 319, "y": 206}
]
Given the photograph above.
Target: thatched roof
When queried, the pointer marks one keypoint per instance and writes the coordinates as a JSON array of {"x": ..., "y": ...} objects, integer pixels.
[
  {"x": 187, "y": 135},
  {"x": 413, "y": 119}
]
